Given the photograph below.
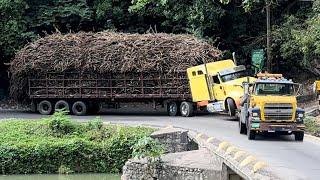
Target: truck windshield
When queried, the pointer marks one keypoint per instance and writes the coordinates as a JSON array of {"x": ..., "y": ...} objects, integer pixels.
[
  {"x": 280, "y": 89},
  {"x": 232, "y": 76}
]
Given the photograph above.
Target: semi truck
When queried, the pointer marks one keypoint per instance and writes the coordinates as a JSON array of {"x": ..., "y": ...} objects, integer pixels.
[
  {"x": 214, "y": 86},
  {"x": 270, "y": 105}
]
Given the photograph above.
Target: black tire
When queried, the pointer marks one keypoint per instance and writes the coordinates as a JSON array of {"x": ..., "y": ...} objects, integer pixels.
[
  {"x": 62, "y": 104},
  {"x": 45, "y": 107},
  {"x": 172, "y": 108},
  {"x": 242, "y": 127},
  {"x": 298, "y": 136},
  {"x": 251, "y": 134},
  {"x": 186, "y": 109},
  {"x": 79, "y": 108},
  {"x": 231, "y": 107}
]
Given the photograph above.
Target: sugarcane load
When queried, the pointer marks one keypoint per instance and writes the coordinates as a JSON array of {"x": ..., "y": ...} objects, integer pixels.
[{"x": 79, "y": 72}]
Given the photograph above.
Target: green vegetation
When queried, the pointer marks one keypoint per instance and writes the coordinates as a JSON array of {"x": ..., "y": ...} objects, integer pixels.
[
  {"x": 59, "y": 145},
  {"x": 312, "y": 126}
]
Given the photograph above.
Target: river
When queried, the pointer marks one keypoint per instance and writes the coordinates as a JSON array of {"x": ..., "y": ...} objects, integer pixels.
[{"x": 62, "y": 177}]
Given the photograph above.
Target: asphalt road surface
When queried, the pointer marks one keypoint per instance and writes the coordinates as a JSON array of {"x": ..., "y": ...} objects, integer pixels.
[{"x": 288, "y": 158}]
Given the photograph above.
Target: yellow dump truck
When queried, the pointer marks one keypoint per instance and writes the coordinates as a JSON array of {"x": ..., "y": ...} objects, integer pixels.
[
  {"x": 317, "y": 87},
  {"x": 216, "y": 86},
  {"x": 270, "y": 105}
]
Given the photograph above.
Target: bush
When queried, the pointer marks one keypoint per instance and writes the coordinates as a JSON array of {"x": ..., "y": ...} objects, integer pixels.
[
  {"x": 312, "y": 126},
  {"x": 60, "y": 145},
  {"x": 60, "y": 124}
]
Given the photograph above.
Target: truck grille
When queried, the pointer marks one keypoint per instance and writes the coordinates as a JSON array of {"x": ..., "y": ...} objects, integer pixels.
[{"x": 278, "y": 111}]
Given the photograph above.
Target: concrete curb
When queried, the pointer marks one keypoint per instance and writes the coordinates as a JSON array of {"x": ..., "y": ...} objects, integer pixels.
[{"x": 243, "y": 163}]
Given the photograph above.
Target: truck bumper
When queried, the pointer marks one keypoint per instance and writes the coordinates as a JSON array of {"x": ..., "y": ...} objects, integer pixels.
[{"x": 276, "y": 127}]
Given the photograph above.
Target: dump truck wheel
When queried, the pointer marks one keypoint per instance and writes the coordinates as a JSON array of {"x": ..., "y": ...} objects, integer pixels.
[
  {"x": 242, "y": 127},
  {"x": 62, "y": 105},
  {"x": 186, "y": 109},
  {"x": 79, "y": 108},
  {"x": 231, "y": 107},
  {"x": 172, "y": 108},
  {"x": 45, "y": 107},
  {"x": 251, "y": 134},
  {"x": 298, "y": 136}
]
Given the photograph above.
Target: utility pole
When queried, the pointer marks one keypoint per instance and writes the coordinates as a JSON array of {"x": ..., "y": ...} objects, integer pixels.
[{"x": 269, "y": 60}]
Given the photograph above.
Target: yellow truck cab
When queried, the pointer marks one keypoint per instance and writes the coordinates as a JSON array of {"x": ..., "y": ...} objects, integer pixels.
[
  {"x": 217, "y": 86},
  {"x": 270, "y": 105}
]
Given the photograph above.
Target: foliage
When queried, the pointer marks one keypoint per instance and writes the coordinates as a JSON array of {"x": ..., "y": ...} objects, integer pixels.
[
  {"x": 197, "y": 17},
  {"x": 297, "y": 40},
  {"x": 147, "y": 147},
  {"x": 60, "y": 124},
  {"x": 28, "y": 146},
  {"x": 312, "y": 126}
]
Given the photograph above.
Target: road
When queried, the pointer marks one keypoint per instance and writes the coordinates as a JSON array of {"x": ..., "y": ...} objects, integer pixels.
[{"x": 288, "y": 158}]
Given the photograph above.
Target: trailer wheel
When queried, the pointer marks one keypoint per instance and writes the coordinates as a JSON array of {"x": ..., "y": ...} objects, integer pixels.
[
  {"x": 172, "y": 108},
  {"x": 186, "y": 109},
  {"x": 298, "y": 136},
  {"x": 231, "y": 107},
  {"x": 45, "y": 107},
  {"x": 62, "y": 105},
  {"x": 79, "y": 108}
]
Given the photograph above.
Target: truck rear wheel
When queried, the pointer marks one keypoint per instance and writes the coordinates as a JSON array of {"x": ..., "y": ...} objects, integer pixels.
[
  {"x": 186, "y": 109},
  {"x": 45, "y": 107},
  {"x": 62, "y": 105},
  {"x": 231, "y": 107},
  {"x": 298, "y": 136},
  {"x": 172, "y": 108},
  {"x": 79, "y": 108}
]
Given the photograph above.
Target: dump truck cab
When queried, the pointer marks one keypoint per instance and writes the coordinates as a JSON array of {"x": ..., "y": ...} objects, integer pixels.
[
  {"x": 217, "y": 86},
  {"x": 270, "y": 105}
]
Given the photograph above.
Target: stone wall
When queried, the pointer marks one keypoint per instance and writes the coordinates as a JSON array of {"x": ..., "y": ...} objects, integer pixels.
[
  {"x": 175, "y": 140},
  {"x": 189, "y": 165}
]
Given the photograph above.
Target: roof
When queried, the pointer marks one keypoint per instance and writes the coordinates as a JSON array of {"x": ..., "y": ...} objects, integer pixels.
[{"x": 282, "y": 81}]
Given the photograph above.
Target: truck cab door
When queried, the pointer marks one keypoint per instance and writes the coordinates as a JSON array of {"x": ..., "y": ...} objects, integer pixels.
[{"x": 217, "y": 89}]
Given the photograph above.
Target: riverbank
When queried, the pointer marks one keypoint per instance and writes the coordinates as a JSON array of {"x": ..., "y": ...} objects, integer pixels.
[{"x": 60, "y": 145}]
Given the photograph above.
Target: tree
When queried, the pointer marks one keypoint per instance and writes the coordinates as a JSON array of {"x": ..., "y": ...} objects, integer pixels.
[{"x": 13, "y": 27}]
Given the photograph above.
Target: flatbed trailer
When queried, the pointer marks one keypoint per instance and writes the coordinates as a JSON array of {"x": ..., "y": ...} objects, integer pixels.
[{"x": 80, "y": 93}]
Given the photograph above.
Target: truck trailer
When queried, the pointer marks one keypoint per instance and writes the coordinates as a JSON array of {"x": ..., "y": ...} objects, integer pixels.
[{"x": 214, "y": 86}]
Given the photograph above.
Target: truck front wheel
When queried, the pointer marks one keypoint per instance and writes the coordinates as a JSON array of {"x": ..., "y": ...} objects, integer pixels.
[
  {"x": 172, "y": 108},
  {"x": 298, "y": 136},
  {"x": 45, "y": 107},
  {"x": 251, "y": 134},
  {"x": 231, "y": 107},
  {"x": 242, "y": 127},
  {"x": 186, "y": 109},
  {"x": 79, "y": 108}
]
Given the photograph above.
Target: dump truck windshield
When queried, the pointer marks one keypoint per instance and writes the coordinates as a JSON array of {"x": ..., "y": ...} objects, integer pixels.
[
  {"x": 232, "y": 76},
  {"x": 280, "y": 89}
]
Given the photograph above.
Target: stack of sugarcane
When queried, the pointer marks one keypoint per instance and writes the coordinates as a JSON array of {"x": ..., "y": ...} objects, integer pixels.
[{"x": 107, "y": 52}]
